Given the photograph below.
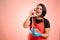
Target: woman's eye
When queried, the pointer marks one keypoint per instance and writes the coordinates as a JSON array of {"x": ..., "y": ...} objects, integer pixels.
[
  {"x": 37, "y": 8},
  {"x": 40, "y": 9}
]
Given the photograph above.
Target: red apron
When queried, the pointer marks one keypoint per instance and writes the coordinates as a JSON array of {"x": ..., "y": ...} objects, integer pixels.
[{"x": 40, "y": 26}]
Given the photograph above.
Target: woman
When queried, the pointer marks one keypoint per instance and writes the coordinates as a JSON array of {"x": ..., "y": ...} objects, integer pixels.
[{"x": 41, "y": 26}]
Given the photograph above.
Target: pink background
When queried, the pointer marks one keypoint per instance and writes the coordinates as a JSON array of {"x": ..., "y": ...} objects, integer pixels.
[{"x": 15, "y": 12}]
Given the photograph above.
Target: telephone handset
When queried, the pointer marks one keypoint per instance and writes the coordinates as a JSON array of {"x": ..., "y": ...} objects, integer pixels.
[{"x": 34, "y": 13}]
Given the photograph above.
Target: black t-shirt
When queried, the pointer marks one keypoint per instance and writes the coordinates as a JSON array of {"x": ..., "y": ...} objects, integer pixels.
[{"x": 46, "y": 22}]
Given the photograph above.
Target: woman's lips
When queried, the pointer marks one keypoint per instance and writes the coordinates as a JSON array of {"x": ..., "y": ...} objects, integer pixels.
[{"x": 38, "y": 13}]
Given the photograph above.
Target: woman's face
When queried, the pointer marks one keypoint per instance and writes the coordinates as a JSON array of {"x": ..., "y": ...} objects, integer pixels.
[{"x": 38, "y": 10}]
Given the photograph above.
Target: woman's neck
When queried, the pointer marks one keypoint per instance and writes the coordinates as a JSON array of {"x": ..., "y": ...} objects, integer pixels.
[{"x": 38, "y": 17}]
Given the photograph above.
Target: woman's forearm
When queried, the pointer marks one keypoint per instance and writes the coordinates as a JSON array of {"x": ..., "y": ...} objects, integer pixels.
[
  {"x": 27, "y": 22},
  {"x": 45, "y": 35}
]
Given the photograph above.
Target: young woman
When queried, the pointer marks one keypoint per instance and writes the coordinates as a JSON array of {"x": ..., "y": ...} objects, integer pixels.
[{"x": 39, "y": 26}]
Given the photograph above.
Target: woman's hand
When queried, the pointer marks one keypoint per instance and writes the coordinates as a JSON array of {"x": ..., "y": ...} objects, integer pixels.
[
  {"x": 35, "y": 32},
  {"x": 46, "y": 34},
  {"x": 32, "y": 13}
]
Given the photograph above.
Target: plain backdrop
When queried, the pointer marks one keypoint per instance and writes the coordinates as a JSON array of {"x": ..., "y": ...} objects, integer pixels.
[{"x": 13, "y": 13}]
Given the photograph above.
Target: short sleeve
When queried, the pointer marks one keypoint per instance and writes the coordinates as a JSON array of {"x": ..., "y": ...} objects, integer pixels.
[{"x": 46, "y": 23}]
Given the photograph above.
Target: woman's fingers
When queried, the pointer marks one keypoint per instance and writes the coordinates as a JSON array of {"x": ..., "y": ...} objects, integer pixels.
[
  {"x": 32, "y": 13},
  {"x": 37, "y": 30}
]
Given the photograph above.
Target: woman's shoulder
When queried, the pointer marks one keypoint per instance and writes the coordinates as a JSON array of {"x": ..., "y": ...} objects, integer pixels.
[
  {"x": 45, "y": 19},
  {"x": 46, "y": 23}
]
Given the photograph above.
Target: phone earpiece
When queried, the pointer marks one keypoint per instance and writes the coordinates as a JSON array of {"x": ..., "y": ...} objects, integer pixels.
[
  {"x": 34, "y": 9},
  {"x": 33, "y": 13}
]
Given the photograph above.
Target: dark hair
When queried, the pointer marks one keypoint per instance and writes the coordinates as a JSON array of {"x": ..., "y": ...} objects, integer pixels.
[{"x": 43, "y": 10}]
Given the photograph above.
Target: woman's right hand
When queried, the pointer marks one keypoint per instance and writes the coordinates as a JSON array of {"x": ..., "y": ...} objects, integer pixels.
[
  {"x": 32, "y": 13},
  {"x": 35, "y": 32},
  {"x": 27, "y": 21}
]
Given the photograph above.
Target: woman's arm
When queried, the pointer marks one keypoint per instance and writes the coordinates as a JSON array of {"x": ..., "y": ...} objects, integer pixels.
[
  {"x": 47, "y": 31},
  {"x": 47, "y": 28},
  {"x": 27, "y": 22}
]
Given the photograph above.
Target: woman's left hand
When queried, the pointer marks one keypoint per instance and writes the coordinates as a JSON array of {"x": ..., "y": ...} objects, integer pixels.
[{"x": 35, "y": 32}]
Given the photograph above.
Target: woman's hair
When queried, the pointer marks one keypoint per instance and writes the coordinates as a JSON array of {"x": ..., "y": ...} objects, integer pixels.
[{"x": 43, "y": 10}]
